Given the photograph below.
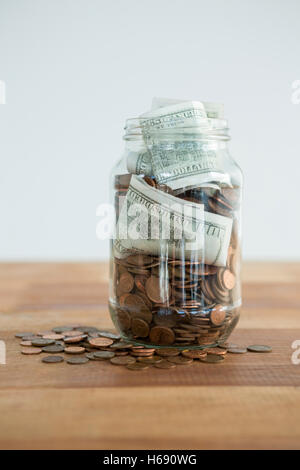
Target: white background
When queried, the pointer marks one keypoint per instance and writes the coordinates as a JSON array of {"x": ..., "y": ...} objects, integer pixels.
[{"x": 75, "y": 69}]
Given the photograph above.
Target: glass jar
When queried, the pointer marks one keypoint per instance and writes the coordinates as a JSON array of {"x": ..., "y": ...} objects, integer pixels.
[{"x": 175, "y": 254}]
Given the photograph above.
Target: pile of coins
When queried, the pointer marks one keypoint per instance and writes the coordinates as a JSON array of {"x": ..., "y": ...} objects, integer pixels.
[
  {"x": 178, "y": 302},
  {"x": 81, "y": 344}
]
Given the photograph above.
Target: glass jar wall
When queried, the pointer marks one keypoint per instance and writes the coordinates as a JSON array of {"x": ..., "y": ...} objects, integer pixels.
[{"x": 175, "y": 256}]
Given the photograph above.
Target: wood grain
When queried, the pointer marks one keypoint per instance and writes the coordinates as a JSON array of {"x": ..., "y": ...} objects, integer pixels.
[{"x": 249, "y": 401}]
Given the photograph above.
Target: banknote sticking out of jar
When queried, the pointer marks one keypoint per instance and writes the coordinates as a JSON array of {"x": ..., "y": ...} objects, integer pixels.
[{"x": 175, "y": 254}]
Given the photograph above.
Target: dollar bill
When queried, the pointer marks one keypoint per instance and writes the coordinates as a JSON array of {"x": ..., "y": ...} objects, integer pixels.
[
  {"x": 183, "y": 165},
  {"x": 213, "y": 110},
  {"x": 139, "y": 163},
  {"x": 157, "y": 223},
  {"x": 185, "y": 114},
  {"x": 183, "y": 160}
]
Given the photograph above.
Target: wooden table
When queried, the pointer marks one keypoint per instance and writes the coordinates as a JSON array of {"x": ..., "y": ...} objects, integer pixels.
[{"x": 249, "y": 401}]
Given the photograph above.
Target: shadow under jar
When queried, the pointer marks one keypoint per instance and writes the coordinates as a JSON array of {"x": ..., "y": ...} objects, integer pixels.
[{"x": 175, "y": 256}]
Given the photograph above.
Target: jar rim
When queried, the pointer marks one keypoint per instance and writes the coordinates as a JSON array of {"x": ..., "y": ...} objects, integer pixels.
[{"x": 217, "y": 129}]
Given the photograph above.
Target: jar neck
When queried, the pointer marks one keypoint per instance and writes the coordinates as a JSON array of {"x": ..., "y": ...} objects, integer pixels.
[{"x": 213, "y": 130}]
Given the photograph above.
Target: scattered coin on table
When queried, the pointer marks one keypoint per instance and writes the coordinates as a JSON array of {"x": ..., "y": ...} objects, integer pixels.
[
  {"x": 100, "y": 342},
  {"x": 137, "y": 366},
  {"x": 104, "y": 355},
  {"x": 107, "y": 347},
  {"x": 31, "y": 351},
  {"x": 237, "y": 350},
  {"x": 53, "y": 348},
  {"x": 53, "y": 359},
  {"x": 74, "y": 350},
  {"x": 261, "y": 348},
  {"x": 164, "y": 365},
  {"x": 23, "y": 335},
  {"x": 77, "y": 360},
  {"x": 42, "y": 342},
  {"x": 25, "y": 343},
  {"x": 212, "y": 359},
  {"x": 122, "y": 360},
  {"x": 54, "y": 336}
]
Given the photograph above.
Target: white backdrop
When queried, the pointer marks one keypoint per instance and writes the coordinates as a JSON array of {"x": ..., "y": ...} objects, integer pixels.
[{"x": 75, "y": 69}]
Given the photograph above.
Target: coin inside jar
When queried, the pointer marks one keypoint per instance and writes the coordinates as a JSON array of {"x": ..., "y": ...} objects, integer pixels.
[
  {"x": 139, "y": 328},
  {"x": 162, "y": 335},
  {"x": 153, "y": 290}
]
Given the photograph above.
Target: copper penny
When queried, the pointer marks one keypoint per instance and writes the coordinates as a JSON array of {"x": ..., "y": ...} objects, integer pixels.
[
  {"x": 143, "y": 349},
  {"x": 212, "y": 359},
  {"x": 194, "y": 353},
  {"x": 217, "y": 315},
  {"x": 75, "y": 339},
  {"x": 140, "y": 282},
  {"x": 123, "y": 319},
  {"x": 162, "y": 335},
  {"x": 31, "y": 351},
  {"x": 126, "y": 283},
  {"x": 26, "y": 343},
  {"x": 74, "y": 350},
  {"x": 139, "y": 328},
  {"x": 55, "y": 336},
  {"x": 154, "y": 290},
  {"x": 72, "y": 333},
  {"x": 122, "y": 299},
  {"x": 217, "y": 351},
  {"x": 142, "y": 354},
  {"x": 100, "y": 342},
  {"x": 228, "y": 279}
]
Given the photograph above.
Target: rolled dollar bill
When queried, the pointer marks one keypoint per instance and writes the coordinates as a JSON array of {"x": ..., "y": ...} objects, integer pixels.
[
  {"x": 183, "y": 165},
  {"x": 154, "y": 222},
  {"x": 185, "y": 114},
  {"x": 139, "y": 163}
]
